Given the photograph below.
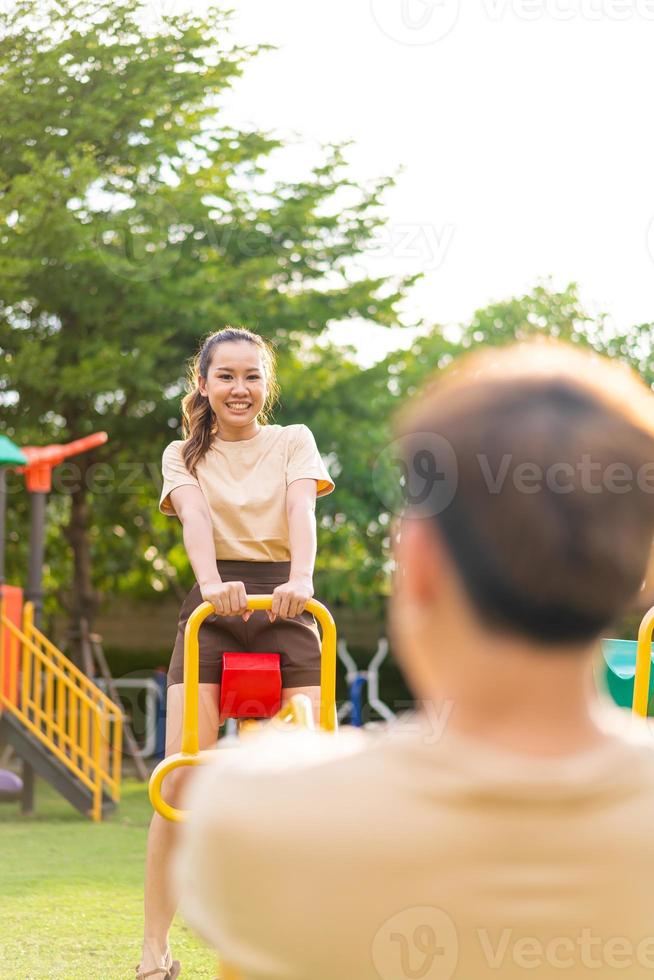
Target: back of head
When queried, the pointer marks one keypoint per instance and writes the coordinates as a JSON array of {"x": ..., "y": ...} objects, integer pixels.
[{"x": 536, "y": 464}]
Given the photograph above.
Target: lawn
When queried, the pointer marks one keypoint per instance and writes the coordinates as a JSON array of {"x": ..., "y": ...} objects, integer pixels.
[{"x": 71, "y": 893}]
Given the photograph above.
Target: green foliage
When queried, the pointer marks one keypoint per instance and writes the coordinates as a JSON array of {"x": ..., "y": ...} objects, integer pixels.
[
  {"x": 135, "y": 222},
  {"x": 353, "y": 420},
  {"x": 72, "y": 891},
  {"x": 560, "y": 314}
]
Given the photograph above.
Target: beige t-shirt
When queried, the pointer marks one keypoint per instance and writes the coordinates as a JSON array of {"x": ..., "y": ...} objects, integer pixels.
[
  {"x": 244, "y": 484},
  {"x": 419, "y": 856}
]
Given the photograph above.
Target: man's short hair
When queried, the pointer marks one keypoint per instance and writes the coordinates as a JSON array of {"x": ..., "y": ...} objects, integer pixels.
[{"x": 535, "y": 463}]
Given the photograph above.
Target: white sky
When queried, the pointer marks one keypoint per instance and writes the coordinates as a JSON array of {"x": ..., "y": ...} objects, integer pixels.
[{"x": 525, "y": 133}]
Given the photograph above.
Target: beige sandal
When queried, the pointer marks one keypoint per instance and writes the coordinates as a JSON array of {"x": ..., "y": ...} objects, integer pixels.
[{"x": 167, "y": 972}]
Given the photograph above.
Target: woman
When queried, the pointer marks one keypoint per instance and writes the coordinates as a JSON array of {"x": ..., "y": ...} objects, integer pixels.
[{"x": 244, "y": 491}]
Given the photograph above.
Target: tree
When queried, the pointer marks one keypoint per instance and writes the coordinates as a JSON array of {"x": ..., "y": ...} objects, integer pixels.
[
  {"x": 133, "y": 222},
  {"x": 353, "y": 420}
]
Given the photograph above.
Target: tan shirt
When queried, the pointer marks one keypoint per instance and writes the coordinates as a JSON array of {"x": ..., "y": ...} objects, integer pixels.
[
  {"x": 424, "y": 857},
  {"x": 244, "y": 484}
]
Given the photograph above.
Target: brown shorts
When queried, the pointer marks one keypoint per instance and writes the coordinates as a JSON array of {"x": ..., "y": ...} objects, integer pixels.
[{"x": 297, "y": 640}]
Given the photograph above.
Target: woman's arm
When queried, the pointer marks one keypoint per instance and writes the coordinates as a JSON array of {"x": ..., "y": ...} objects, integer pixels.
[
  {"x": 228, "y": 598},
  {"x": 301, "y": 516},
  {"x": 192, "y": 510},
  {"x": 290, "y": 598}
]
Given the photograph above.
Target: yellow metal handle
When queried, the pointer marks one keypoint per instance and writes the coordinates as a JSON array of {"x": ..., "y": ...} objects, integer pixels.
[
  {"x": 167, "y": 765},
  {"x": 643, "y": 664},
  {"x": 297, "y": 711},
  {"x": 190, "y": 754}
]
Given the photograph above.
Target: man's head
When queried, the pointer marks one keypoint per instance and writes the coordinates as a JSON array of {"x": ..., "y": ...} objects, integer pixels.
[{"x": 529, "y": 500}]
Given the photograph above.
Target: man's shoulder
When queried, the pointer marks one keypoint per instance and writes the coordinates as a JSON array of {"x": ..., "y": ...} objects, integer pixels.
[
  {"x": 274, "y": 751},
  {"x": 277, "y": 765}
]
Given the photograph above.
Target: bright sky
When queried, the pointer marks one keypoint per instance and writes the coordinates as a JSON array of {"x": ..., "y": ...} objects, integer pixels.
[{"x": 523, "y": 127}]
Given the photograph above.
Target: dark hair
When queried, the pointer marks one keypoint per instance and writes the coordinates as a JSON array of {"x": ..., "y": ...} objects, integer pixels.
[
  {"x": 199, "y": 423},
  {"x": 555, "y": 560}
]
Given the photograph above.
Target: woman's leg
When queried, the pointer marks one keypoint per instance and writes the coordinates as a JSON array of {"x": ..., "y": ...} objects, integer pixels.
[{"x": 160, "y": 903}]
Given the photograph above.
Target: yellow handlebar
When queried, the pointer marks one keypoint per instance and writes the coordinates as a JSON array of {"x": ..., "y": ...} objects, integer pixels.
[
  {"x": 643, "y": 664},
  {"x": 190, "y": 754}
]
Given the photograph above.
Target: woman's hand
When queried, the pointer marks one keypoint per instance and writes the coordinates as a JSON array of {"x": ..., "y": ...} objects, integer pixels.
[
  {"x": 227, "y": 598},
  {"x": 289, "y": 599}
]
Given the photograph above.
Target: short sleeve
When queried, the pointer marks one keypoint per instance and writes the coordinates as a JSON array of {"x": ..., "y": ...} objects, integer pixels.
[
  {"x": 175, "y": 475},
  {"x": 305, "y": 462}
]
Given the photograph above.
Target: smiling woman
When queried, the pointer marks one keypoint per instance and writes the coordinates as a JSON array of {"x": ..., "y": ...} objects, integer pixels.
[
  {"x": 233, "y": 386},
  {"x": 244, "y": 490}
]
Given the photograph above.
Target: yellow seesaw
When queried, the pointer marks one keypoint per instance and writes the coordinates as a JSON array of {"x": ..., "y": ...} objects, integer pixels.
[{"x": 296, "y": 712}]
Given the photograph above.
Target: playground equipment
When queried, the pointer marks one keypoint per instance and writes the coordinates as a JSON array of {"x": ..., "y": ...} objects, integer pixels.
[
  {"x": 145, "y": 700},
  {"x": 629, "y": 673},
  {"x": 251, "y": 685},
  {"x": 360, "y": 681},
  {"x": 54, "y": 717},
  {"x": 238, "y": 695},
  {"x": 11, "y": 786},
  {"x": 96, "y": 667},
  {"x": 245, "y": 676},
  {"x": 41, "y": 460},
  {"x": 10, "y": 455}
]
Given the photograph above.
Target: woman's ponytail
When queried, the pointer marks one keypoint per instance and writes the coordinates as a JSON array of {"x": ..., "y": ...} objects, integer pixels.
[{"x": 197, "y": 427}]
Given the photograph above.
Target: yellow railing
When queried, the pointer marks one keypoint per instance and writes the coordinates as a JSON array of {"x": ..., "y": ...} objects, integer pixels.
[
  {"x": 61, "y": 707},
  {"x": 643, "y": 664}
]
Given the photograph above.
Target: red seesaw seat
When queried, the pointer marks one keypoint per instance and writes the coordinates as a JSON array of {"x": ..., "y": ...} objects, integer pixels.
[{"x": 251, "y": 685}]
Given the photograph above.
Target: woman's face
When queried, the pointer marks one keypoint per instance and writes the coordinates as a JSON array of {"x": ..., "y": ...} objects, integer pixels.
[{"x": 235, "y": 385}]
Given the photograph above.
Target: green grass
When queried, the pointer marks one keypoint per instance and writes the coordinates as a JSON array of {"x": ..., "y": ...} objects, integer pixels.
[{"x": 71, "y": 893}]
